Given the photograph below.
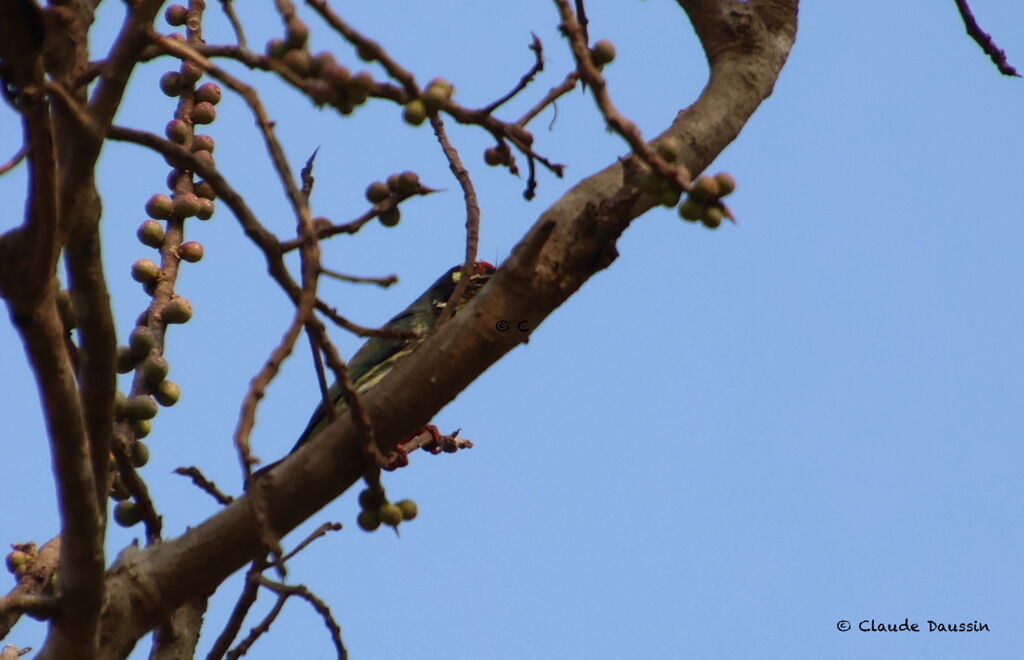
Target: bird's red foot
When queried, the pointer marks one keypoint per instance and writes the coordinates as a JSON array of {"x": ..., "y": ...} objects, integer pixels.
[
  {"x": 401, "y": 458},
  {"x": 434, "y": 446}
]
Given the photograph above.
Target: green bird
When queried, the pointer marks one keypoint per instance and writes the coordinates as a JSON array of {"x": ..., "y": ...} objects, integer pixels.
[{"x": 379, "y": 355}]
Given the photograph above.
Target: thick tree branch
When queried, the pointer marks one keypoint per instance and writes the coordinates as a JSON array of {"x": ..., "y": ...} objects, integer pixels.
[{"x": 571, "y": 241}]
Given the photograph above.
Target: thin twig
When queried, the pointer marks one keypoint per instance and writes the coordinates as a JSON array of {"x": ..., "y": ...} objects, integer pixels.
[
  {"x": 204, "y": 484},
  {"x": 355, "y": 328},
  {"x": 353, "y": 226},
  {"x": 383, "y": 282},
  {"x": 984, "y": 39},
  {"x": 571, "y": 28},
  {"x": 321, "y": 379},
  {"x": 236, "y": 25},
  {"x": 538, "y": 66},
  {"x": 368, "y": 48},
  {"x": 258, "y": 630},
  {"x": 472, "y": 218},
  {"x": 252, "y": 99},
  {"x": 320, "y": 531},
  {"x": 553, "y": 94},
  {"x": 246, "y": 599},
  {"x": 286, "y": 590},
  {"x": 14, "y": 160}
]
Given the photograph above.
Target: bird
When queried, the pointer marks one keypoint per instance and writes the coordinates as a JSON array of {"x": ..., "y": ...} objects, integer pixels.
[{"x": 379, "y": 355}]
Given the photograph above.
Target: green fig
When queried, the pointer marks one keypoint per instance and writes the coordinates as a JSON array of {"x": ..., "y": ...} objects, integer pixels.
[
  {"x": 178, "y": 310},
  {"x": 127, "y": 513}
]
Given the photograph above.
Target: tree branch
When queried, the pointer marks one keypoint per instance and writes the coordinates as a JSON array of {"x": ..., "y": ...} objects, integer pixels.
[
  {"x": 985, "y": 40},
  {"x": 570, "y": 242}
]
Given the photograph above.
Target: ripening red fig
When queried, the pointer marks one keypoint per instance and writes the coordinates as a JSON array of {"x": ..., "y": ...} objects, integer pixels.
[
  {"x": 191, "y": 251},
  {"x": 276, "y": 48},
  {"x": 186, "y": 205},
  {"x": 170, "y": 83},
  {"x": 205, "y": 211},
  {"x": 176, "y": 15},
  {"x": 390, "y": 217},
  {"x": 407, "y": 183},
  {"x": 177, "y": 131},
  {"x": 208, "y": 93},
  {"x": 204, "y": 189},
  {"x": 296, "y": 33},
  {"x": 299, "y": 61},
  {"x": 377, "y": 192},
  {"x": 190, "y": 73},
  {"x": 202, "y": 142},
  {"x": 493, "y": 156},
  {"x": 203, "y": 113},
  {"x": 159, "y": 206}
]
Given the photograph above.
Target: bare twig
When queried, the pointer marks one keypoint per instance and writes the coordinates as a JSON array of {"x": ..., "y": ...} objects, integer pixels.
[
  {"x": 368, "y": 48},
  {"x": 538, "y": 66},
  {"x": 984, "y": 39},
  {"x": 14, "y": 160},
  {"x": 286, "y": 590},
  {"x": 353, "y": 226},
  {"x": 205, "y": 484},
  {"x": 383, "y": 282},
  {"x": 321, "y": 379},
  {"x": 678, "y": 174},
  {"x": 236, "y": 25},
  {"x": 247, "y": 419},
  {"x": 472, "y": 218},
  {"x": 357, "y": 329},
  {"x": 246, "y": 599},
  {"x": 258, "y": 630},
  {"x": 317, "y": 533},
  {"x": 553, "y": 94}
]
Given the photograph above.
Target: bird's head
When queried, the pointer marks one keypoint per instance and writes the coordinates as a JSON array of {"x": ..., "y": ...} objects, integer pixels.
[{"x": 443, "y": 288}]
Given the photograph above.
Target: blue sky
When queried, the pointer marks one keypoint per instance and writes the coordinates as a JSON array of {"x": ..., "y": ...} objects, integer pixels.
[{"x": 722, "y": 445}]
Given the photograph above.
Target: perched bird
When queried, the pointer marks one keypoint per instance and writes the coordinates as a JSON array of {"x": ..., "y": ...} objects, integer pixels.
[{"x": 379, "y": 355}]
